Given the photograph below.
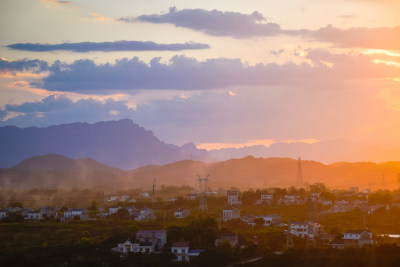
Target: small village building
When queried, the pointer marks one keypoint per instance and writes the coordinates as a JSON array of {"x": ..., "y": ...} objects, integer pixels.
[
  {"x": 307, "y": 229},
  {"x": 137, "y": 246},
  {"x": 265, "y": 199},
  {"x": 70, "y": 214},
  {"x": 233, "y": 197},
  {"x": 181, "y": 213},
  {"x": 114, "y": 209},
  {"x": 271, "y": 219},
  {"x": 358, "y": 238},
  {"x": 3, "y": 213},
  {"x": 230, "y": 213},
  {"x": 47, "y": 212},
  {"x": 35, "y": 216},
  {"x": 191, "y": 196},
  {"x": 248, "y": 218},
  {"x": 291, "y": 199},
  {"x": 182, "y": 251},
  {"x": 146, "y": 214},
  {"x": 230, "y": 238},
  {"x": 158, "y": 237}
]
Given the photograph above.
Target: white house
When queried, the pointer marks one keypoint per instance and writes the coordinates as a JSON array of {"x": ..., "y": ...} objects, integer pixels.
[
  {"x": 265, "y": 199},
  {"x": 271, "y": 219},
  {"x": 70, "y": 214},
  {"x": 138, "y": 246},
  {"x": 358, "y": 238},
  {"x": 182, "y": 252},
  {"x": 181, "y": 213},
  {"x": 34, "y": 216},
  {"x": 114, "y": 209},
  {"x": 230, "y": 213},
  {"x": 291, "y": 199},
  {"x": 146, "y": 214},
  {"x": 233, "y": 197},
  {"x": 305, "y": 229},
  {"x": 3, "y": 213}
]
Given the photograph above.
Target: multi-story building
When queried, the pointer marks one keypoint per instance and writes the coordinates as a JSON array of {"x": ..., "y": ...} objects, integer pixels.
[
  {"x": 157, "y": 237},
  {"x": 70, "y": 214},
  {"x": 230, "y": 213},
  {"x": 233, "y": 197},
  {"x": 305, "y": 229}
]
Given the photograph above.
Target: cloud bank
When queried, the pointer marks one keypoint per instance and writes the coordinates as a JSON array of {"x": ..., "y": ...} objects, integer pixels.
[
  {"x": 184, "y": 73},
  {"x": 83, "y": 47}
]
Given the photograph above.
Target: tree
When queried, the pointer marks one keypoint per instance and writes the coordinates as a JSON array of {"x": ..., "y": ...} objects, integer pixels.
[
  {"x": 93, "y": 205},
  {"x": 259, "y": 221}
]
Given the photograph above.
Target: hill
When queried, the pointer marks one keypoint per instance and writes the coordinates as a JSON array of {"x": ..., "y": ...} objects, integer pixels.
[{"x": 245, "y": 173}]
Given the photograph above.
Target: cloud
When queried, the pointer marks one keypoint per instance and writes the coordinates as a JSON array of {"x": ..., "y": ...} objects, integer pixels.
[
  {"x": 371, "y": 38},
  {"x": 214, "y": 22},
  {"x": 184, "y": 73},
  {"x": 239, "y": 25},
  {"x": 108, "y": 46},
  {"x": 99, "y": 17},
  {"x": 50, "y": 103},
  {"x": 22, "y": 65},
  {"x": 56, "y": 109}
]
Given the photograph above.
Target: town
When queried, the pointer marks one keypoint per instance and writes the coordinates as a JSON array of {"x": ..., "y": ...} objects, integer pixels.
[{"x": 190, "y": 226}]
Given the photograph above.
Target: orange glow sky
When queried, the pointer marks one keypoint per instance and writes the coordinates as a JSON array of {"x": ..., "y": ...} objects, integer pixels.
[{"x": 225, "y": 74}]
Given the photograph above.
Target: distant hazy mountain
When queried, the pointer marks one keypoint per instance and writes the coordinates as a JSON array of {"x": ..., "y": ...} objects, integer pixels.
[
  {"x": 324, "y": 151},
  {"x": 121, "y": 144},
  {"x": 51, "y": 171},
  {"x": 54, "y": 162}
]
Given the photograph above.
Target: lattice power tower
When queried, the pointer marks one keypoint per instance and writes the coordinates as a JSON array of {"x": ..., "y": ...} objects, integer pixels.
[
  {"x": 203, "y": 191},
  {"x": 299, "y": 182}
]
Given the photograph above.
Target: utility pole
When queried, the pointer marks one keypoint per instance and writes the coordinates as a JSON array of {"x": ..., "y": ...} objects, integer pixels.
[
  {"x": 289, "y": 239},
  {"x": 154, "y": 190}
]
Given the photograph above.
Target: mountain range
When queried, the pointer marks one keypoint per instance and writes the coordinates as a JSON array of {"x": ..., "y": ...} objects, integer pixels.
[
  {"x": 50, "y": 171},
  {"x": 121, "y": 144},
  {"x": 125, "y": 145}
]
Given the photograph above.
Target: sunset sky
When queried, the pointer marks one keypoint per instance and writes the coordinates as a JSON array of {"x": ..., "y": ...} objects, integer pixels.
[{"x": 222, "y": 73}]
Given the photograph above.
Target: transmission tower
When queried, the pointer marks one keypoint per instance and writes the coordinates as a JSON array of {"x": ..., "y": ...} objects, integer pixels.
[
  {"x": 299, "y": 181},
  {"x": 313, "y": 218},
  {"x": 203, "y": 191},
  {"x": 289, "y": 239}
]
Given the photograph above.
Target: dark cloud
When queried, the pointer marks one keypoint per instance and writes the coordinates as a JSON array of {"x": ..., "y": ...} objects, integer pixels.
[
  {"x": 3, "y": 113},
  {"x": 47, "y": 104},
  {"x": 371, "y": 38},
  {"x": 108, "y": 46},
  {"x": 184, "y": 73},
  {"x": 23, "y": 65},
  {"x": 214, "y": 22}
]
